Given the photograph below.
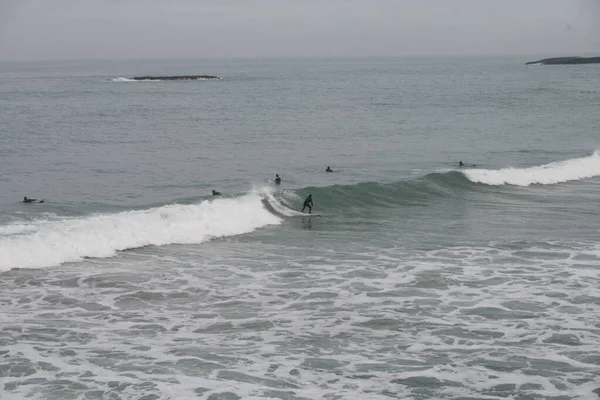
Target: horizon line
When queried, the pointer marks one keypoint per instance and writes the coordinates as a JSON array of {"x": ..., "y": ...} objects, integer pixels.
[{"x": 223, "y": 58}]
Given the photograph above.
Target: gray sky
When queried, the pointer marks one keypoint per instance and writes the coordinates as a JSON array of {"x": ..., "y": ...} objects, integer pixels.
[{"x": 83, "y": 29}]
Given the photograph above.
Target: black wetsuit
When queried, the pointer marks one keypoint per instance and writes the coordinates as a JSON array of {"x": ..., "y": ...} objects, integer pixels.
[
  {"x": 308, "y": 203},
  {"x": 278, "y": 181}
]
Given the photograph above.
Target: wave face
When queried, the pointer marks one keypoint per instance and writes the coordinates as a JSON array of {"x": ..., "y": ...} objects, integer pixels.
[
  {"x": 429, "y": 188},
  {"x": 548, "y": 174},
  {"x": 277, "y": 203},
  {"x": 367, "y": 195},
  {"x": 45, "y": 243}
]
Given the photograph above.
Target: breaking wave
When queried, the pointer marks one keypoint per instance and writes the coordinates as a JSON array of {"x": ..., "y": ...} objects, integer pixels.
[
  {"x": 52, "y": 241},
  {"x": 548, "y": 174},
  {"x": 45, "y": 243}
]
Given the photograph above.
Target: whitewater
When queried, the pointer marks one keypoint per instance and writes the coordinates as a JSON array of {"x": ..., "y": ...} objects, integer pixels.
[
  {"x": 43, "y": 243},
  {"x": 547, "y": 174}
]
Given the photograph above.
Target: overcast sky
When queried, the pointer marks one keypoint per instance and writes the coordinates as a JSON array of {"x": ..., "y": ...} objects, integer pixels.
[{"x": 108, "y": 29}]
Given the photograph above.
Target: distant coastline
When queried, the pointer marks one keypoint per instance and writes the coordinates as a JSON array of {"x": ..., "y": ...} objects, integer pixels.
[{"x": 566, "y": 61}]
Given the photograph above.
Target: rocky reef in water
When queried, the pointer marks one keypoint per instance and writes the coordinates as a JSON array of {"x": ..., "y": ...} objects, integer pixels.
[
  {"x": 175, "y": 78},
  {"x": 566, "y": 61}
]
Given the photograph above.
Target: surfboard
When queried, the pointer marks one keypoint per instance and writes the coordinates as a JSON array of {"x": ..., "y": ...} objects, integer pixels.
[{"x": 309, "y": 215}]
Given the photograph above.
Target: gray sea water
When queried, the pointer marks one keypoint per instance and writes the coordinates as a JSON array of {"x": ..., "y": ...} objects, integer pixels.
[{"x": 418, "y": 280}]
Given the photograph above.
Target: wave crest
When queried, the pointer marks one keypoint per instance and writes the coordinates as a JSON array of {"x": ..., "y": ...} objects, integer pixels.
[
  {"x": 50, "y": 243},
  {"x": 547, "y": 174}
]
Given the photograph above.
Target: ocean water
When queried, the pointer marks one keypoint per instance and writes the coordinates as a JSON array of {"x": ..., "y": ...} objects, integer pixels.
[{"x": 418, "y": 280}]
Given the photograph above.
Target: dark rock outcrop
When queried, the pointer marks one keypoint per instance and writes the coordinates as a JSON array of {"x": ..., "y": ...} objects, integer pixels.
[
  {"x": 566, "y": 61},
  {"x": 175, "y": 78}
]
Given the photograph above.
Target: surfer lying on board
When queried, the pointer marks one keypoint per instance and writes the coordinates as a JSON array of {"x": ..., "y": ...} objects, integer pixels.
[
  {"x": 215, "y": 193},
  {"x": 328, "y": 169},
  {"x": 308, "y": 203},
  {"x": 462, "y": 164},
  {"x": 27, "y": 200}
]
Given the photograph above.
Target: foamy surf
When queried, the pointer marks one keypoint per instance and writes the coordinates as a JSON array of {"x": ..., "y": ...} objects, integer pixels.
[
  {"x": 547, "y": 174},
  {"x": 277, "y": 206},
  {"x": 49, "y": 243}
]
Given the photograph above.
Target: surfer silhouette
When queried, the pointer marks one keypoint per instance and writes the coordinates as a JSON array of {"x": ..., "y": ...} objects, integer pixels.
[
  {"x": 215, "y": 193},
  {"x": 28, "y": 200},
  {"x": 328, "y": 169},
  {"x": 277, "y": 179},
  {"x": 308, "y": 203}
]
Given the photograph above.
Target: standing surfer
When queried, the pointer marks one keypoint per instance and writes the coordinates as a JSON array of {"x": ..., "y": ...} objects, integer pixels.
[{"x": 308, "y": 203}]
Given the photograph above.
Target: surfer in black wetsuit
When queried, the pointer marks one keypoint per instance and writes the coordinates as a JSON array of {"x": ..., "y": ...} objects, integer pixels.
[
  {"x": 215, "y": 193},
  {"x": 461, "y": 164},
  {"x": 328, "y": 169},
  {"x": 308, "y": 203},
  {"x": 27, "y": 200},
  {"x": 277, "y": 179}
]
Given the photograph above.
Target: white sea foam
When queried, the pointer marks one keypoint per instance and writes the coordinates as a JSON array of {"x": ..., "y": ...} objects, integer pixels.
[
  {"x": 49, "y": 243},
  {"x": 123, "y": 80},
  {"x": 16, "y": 229},
  {"x": 279, "y": 206},
  {"x": 267, "y": 321},
  {"x": 548, "y": 174}
]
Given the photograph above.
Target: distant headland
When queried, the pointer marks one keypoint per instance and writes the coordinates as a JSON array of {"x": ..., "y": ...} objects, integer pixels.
[
  {"x": 566, "y": 61},
  {"x": 175, "y": 78}
]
